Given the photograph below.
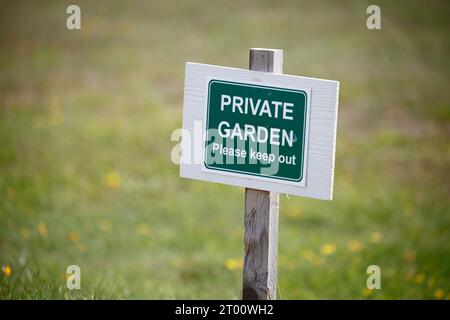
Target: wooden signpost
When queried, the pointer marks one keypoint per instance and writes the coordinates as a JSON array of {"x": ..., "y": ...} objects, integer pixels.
[
  {"x": 267, "y": 132},
  {"x": 261, "y": 214}
]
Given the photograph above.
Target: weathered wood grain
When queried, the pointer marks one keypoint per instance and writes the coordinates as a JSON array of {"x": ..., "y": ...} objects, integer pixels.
[
  {"x": 261, "y": 245},
  {"x": 266, "y": 60}
]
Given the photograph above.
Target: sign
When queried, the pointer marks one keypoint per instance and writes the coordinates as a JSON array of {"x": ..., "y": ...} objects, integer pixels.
[
  {"x": 259, "y": 130},
  {"x": 256, "y": 130}
]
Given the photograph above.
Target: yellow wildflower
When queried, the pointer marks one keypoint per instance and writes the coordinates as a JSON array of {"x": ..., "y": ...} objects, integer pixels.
[
  {"x": 439, "y": 293},
  {"x": 42, "y": 228},
  {"x": 74, "y": 237},
  {"x": 7, "y": 271},
  {"x": 233, "y": 264},
  {"x": 328, "y": 249},
  {"x": 113, "y": 180}
]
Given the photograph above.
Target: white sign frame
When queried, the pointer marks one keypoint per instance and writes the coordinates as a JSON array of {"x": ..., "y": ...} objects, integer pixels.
[{"x": 321, "y": 126}]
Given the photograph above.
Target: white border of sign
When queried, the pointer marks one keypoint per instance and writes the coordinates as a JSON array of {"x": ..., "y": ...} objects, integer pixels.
[{"x": 323, "y": 109}]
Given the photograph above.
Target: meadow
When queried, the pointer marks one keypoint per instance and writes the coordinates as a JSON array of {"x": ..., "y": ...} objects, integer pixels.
[{"x": 85, "y": 171}]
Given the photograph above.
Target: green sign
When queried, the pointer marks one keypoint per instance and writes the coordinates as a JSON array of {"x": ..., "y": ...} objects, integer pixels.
[{"x": 256, "y": 130}]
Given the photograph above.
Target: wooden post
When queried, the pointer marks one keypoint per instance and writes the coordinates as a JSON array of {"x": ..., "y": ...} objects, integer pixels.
[{"x": 261, "y": 214}]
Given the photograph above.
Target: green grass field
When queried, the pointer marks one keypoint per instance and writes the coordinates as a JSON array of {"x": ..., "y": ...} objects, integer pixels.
[{"x": 85, "y": 171}]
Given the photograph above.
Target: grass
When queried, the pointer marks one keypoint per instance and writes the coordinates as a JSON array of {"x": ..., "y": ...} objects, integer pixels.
[{"x": 85, "y": 171}]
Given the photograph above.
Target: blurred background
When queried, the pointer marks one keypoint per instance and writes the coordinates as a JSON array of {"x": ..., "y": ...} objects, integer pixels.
[{"x": 85, "y": 171}]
